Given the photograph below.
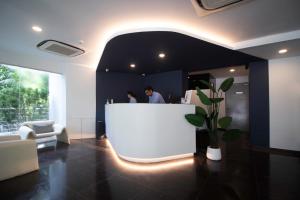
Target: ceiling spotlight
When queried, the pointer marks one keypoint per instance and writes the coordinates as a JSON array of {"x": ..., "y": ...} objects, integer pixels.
[
  {"x": 161, "y": 55},
  {"x": 37, "y": 29},
  {"x": 106, "y": 70},
  {"x": 132, "y": 65},
  {"x": 282, "y": 51},
  {"x": 232, "y": 70}
]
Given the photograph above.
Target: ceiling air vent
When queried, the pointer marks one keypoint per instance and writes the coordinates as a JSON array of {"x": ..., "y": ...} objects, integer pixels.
[
  {"x": 216, "y": 4},
  {"x": 59, "y": 48},
  {"x": 207, "y": 7}
]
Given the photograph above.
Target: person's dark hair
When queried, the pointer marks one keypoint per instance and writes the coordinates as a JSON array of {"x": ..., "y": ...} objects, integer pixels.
[
  {"x": 148, "y": 88},
  {"x": 131, "y": 93}
]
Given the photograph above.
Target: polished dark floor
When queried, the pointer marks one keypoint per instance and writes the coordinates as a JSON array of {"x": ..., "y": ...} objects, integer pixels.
[{"x": 87, "y": 170}]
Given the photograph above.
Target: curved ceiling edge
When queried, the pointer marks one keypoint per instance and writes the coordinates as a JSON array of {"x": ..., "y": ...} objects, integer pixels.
[{"x": 115, "y": 33}]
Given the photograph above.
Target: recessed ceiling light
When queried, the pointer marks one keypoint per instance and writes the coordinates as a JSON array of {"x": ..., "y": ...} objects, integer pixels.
[
  {"x": 232, "y": 70},
  {"x": 107, "y": 70},
  {"x": 282, "y": 51},
  {"x": 161, "y": 55},
  {"x": 37, "y": 29},
  {"x": 132, "y": 65}
]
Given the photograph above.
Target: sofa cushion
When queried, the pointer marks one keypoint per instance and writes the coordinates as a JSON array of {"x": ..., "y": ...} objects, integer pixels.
[
  {"x": 31, "y": 123},
  {"x": 42, "y": 128},
  {"x": 43, "y": 135}
]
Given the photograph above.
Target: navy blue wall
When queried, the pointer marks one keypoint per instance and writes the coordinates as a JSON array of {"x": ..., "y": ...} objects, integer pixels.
[
  {"x": 167, "y": 84},
  {"x": 114, "y": 85},
  {"x": 259, "y": 104}
]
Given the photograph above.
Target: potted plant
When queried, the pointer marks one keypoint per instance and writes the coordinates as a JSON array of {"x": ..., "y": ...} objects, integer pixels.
[{"x": 210, "y": 117}]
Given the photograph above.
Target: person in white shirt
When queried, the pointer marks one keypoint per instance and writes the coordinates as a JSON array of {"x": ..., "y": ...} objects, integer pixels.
[
  {"x": 154, "y": 97},
  {"x": 131, "y": 96}
]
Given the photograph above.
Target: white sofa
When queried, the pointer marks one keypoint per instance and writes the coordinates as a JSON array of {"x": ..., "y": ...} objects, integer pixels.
[
  {"x": 17, "y": 157},
  {"x": 27, "y": 131}
]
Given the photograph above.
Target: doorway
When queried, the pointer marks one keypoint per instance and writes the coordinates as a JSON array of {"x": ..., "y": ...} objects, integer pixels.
[{"x": 237, "y": 106}]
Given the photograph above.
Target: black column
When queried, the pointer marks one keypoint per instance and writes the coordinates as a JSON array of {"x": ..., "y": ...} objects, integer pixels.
[{"x": 259, "y": 104}]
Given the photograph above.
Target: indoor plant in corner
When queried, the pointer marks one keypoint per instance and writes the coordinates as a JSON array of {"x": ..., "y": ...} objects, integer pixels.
[{"x": 210, "y": 117}]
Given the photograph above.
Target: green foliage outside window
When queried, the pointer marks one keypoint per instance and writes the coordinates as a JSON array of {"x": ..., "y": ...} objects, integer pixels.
[{"x": 23, "y": 96}]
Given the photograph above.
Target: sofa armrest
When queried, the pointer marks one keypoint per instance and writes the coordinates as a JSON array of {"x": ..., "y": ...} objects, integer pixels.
[
  {"x": 58, "y": 128},
  {"x": 63, "y": 136},
  {"x": 25, "y": 132},
  {"x": 17, "y": 157}
]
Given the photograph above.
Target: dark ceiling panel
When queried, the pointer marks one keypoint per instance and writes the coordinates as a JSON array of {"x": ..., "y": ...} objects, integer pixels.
[{"x": 182, "y": 53}]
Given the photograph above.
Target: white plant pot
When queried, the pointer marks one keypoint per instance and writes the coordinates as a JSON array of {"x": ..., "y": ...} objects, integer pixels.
[{"x": 213, "y": 154}]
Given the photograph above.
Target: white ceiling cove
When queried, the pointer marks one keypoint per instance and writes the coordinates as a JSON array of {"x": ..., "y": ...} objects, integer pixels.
[
  {"x": 270, "y": 51},
  {"x": 224, "y": 72},
  {"x": 95, "y": 22}
]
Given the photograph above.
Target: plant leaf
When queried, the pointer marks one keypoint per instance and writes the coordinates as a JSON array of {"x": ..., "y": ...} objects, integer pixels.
[
  {"x": 204, "y": 99},
  {"x": 231, "y": 134},
  {"x": 196, "y": 120},
  {"x": 208, "y": 85},
  {"x": 225, "y": 122},
  {"x": 201, "y": 111},
  {"x": 226, "y": 85},
  {"x": 216, "y": 100}
]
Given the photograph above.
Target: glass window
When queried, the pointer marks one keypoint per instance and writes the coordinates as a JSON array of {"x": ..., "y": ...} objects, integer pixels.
[{"x": 24, "y": 95}]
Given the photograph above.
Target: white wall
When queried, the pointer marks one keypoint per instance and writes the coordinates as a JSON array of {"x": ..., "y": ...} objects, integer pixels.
[
  {"x": 57, "y": 98},
  {"x": 284, "y": 89},
  {"x": 81, "y": 101}
]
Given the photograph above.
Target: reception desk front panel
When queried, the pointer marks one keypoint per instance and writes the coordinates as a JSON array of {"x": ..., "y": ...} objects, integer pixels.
[{"x": 150, "y": 132}]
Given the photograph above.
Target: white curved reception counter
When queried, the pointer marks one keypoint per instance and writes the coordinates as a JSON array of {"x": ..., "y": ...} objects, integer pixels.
[{"x": 149, "y": 133}]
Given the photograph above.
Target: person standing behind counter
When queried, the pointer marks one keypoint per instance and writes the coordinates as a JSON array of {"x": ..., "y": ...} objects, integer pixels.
[
  {"x": 154, "y": 97},
  {"x": 132, "y": 97}
]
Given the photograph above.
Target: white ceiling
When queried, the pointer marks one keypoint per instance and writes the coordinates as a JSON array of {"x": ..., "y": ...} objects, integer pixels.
[
  {"x": 97, "y": 21},
  {"x": 270, "y": 51}
]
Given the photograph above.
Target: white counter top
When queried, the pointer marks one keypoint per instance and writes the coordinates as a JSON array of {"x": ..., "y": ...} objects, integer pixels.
[{"x": 150, "y": 132}]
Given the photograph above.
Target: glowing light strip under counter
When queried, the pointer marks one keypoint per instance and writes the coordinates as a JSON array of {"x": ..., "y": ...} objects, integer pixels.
[
  {"x": 132, "y": 164},
  {"x": 156, "y": 160}
]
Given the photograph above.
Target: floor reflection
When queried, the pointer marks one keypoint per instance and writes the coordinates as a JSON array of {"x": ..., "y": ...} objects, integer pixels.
[{"x": 86, "y": 169}]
